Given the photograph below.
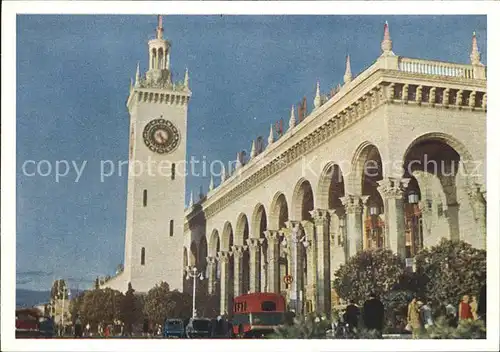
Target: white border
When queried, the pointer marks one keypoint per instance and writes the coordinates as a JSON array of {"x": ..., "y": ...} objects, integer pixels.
[{"x": 8, "y": 243}]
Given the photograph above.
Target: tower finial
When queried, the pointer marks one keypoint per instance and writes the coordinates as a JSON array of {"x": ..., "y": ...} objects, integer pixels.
[
  {"x": 291, "y": 122},
  {"x": 386, "y": 42},
  {"x": 186, "y": 79},
  {"x": 223, "y": 173},
  {"x": 475, "y": 55},
  {"x": 253, "y": 151},
  {"x": 137, "y": 75},
  {"x": 191, "y": 200},
  {"x": 159, "y": 29},
  {"x": 317, "y": 98},
  {"x": 211, "y": 185},
  {"x": 270, "y": 139},
  {"x": 348, "y": 73}
]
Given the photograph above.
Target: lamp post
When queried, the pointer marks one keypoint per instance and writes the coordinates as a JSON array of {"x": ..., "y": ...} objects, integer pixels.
[
  {"x": 415, "y": 236},
  {"x": 194, "y": 274},
  {"x": 374, "y": 212}
]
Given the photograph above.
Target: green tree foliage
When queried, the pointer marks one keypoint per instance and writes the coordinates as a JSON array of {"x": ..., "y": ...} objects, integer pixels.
[
  {"x": 75, "y": 305},
  {"x": 368, "y": 271},
  {"x": 156, "y": 306},
  {"x": 130, "y": 309},
  {"x": 101, "y": 306},
  {"x": 59, "y": 290},
  {"x": 303, "y": 328},
  {"x": 450, "y": 270},
  {"x": 96, "y": 284},
  {"x": 468, "y": 329}
]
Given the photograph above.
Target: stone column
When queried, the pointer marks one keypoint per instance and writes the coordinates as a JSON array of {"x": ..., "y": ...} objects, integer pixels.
[
  {"x": 212, "y": 274},
  {"x": 238, "y": 269},
  {"x": 273, "y": 257},
  {"x": 363, "y": 217},
  {"x": 354, "y": 222},
  {"x": 391, "y": 189},
  {"x": 297, "y": 269},
  {"x": 223, "y": 258},
  {"x": 323, "y": 283},
  {"x": 254, "y": 250},
  {"x": 309, "y": 243}
]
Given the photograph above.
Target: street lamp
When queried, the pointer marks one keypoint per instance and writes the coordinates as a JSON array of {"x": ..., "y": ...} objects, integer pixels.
[
  {"x": 193, "y": 273},
  {"x": 413, "y": 199},
  {"x": 374, "y": 212}
]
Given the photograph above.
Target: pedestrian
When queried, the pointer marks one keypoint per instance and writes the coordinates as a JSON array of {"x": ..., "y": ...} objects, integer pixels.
[
  {"x": 426, "y": 315},
  {"x": 473, "y": 307},
  {"x": 451, "y": 315},
  {"x": 78, "y": 327},
  {"x": 351, "y": 316},
  {"x": 464, "y": 309},
  {"x": 373, "y": 314},
  {"x": 413, "y": 317},
  {"x": 87, "y": 328},
  {"x": 145, "y": 327}
]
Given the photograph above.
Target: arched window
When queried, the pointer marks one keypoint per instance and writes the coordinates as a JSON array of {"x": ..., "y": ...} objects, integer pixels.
[
  {"x": 172, "y": 176},
  {"x": 143, "y": 256},
  {"x": 171, "y": 228},
  {"x": 145, "y": 197}
]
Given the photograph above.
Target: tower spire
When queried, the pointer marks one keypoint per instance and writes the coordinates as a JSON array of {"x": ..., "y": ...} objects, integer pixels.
[
  {"x": 159, "y": 29},
  {"x": 223, "y": 173},
  {"x": 137, "y": 75},
  {"x": 211, "y": 185},
  {"x": 348, "y": 74},
  {"x": 475, "y": 55},
  {"x": 386, "y": 44},
  {"x": 253, "y": 151},
  {"x": 317, "y": 98},
  {"x": 186, "y": 79},
  {"x": 291, "y": 122},
  {"x": 270, "y": 139}
]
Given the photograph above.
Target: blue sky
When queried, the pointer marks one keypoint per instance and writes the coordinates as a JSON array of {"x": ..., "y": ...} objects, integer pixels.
[{"x": 73, "y": 75}]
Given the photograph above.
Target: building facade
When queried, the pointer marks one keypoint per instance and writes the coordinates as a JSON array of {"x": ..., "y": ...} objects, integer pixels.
[{"x": 394, "y": 158}]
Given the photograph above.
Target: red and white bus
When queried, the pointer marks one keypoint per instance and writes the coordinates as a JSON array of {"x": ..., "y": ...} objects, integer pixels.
[{"x": 256, "y": 314}]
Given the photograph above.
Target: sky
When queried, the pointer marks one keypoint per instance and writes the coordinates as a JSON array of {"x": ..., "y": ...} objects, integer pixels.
[{"x": 73, "y": 75}]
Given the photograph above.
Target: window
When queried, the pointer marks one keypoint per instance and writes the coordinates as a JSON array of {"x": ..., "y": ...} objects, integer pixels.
[
  {"x": 143, "y": 256},
  {"x": 268, "y": 306},
  {"x": 171, "y": 228},
  {"x": 172, "y": 176},
  {"x": 145, "y": 197}
]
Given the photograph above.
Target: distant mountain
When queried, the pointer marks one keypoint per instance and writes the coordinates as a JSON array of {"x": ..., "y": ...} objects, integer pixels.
[{"x": 29, "y": 298}]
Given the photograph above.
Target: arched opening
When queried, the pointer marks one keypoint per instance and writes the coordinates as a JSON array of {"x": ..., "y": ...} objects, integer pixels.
[
  {"x": 160, "y": 58},
  {"x": 374, "y": 211},
  {"x": 259, "y": 226},
  {"x": 242, "y": 235},
  {"x": 436, "y": 196},
  {"x": 303, "y": 201},
  {"x": 278, "y": 220},
  {"x": 193, "y": 255},
  {"x": 202, "y": 263}
]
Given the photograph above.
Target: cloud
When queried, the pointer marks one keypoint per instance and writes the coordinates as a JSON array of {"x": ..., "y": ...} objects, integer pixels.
[
  {"x": 23, "y": 281},
  {"x": 34, "y": 273},
  {"x": 79, "y": 280}
]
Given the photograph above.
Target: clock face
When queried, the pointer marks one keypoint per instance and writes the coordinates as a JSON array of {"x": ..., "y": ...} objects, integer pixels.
[{"x": 161, "y": 136}]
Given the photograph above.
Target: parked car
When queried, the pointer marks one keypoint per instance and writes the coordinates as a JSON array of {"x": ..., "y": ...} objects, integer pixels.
[
  {"x": 173, "y": 328},
  {"x": 199, "y": 328}
]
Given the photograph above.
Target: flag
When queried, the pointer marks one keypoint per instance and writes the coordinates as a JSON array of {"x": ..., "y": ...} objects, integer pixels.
[{"x": 259, "y": 145}]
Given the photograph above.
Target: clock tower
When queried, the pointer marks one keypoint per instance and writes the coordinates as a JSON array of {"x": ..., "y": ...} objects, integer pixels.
[{"x": 156, "y": 177}]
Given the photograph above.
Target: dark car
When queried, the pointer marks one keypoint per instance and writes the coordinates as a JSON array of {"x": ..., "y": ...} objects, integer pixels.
[
  {"x": 173, "y": 328},
  {"x": 199, "y": 328}
]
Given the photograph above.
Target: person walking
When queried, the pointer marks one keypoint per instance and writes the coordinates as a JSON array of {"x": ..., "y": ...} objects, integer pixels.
[
  {"x": 413, "y": 317},
  {"x": 473, "y": 307},
  {"x": 426, "y": 315},
  {"x": 373, "y": 314},
  {"x": 351, "y": 316},
  {"x": 78, "y": 327},
  {"x": 464, "y": 309}
]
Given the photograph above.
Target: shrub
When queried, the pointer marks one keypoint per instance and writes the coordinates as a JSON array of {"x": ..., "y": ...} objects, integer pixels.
[{"x": 467, "y": 329}]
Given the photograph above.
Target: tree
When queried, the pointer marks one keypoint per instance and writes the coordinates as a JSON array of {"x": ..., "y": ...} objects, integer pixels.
[
  {"x": 59, "y": 290},
  {"x": 96, "y": 283},
  {"x": 130, "y": 309},
  {"x": 450, "y": 270},
  {"x": 101, "y": 306},
  {"x": 75, "y": 305},
  {"x": 369, "y": 271},
  {"x": 161, "y": 303}
]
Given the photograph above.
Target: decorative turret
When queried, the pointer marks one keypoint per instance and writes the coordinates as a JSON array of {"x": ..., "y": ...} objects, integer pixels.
[
  {"x": 386, "y": 44},
  {"x": 159, "y": 57},
  {"x": 137, "y": 76},
  {"x": 253, "y": 152},
  {"x": 191, "y": 199},
  {"x": 186, "y": 79},
  {"x": 211, "y": 185},
  {"x": 291, "y": 122},
  {"x": 270, "y": 139},
  {"x": 223, "y": 174},
  {"x": 239, "y": 162},
  {"x": 317, "y": 98},
  {"x": 475, "y": 55},
  {"x": 347, "y": 74}
]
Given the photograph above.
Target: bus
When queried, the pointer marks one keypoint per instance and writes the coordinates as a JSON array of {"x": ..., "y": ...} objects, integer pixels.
[{"x": 257, "y": 314}]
